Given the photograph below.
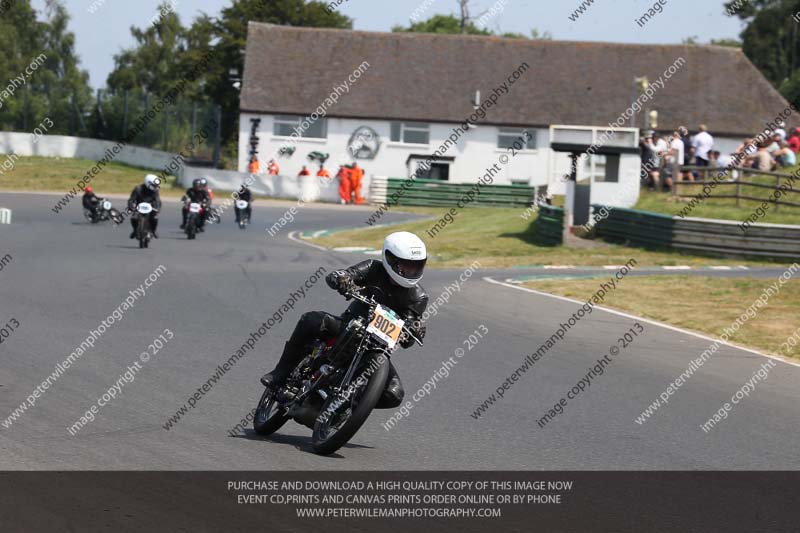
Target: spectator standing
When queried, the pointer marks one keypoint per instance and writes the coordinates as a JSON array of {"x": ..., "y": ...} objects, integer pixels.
[
  {"x": 702, "y": 143},
  {"x": 794, "y": 140},
  {"x": 273, "y": 168},
  {"x": 304, "y": 171}
]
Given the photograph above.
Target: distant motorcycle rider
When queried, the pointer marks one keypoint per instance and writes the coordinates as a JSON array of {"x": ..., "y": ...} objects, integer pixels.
[
  {"x": 146, "y": 192},
  {"x": 397, "y": 276},
  {"x": 196, "y": 194},
  {"x": 246, "y": 195},
  {"x": 90, "y": 202}
]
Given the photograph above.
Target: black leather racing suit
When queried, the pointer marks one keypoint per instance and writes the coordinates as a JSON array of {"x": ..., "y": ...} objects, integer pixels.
[
  {"x": 90, "y": 202},
  {"x": 143, "y": 193},
  {"x": 196, "y": 196},
  {"x": 246, "y": 195},
  {"x": 409, "y": 304}
]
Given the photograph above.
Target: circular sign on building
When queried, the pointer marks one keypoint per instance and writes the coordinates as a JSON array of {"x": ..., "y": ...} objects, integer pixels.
[{"x": 364, "y": 143}]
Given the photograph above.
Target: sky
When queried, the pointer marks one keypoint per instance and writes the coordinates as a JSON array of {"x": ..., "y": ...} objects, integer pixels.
[{"x": 105, "y": 32}]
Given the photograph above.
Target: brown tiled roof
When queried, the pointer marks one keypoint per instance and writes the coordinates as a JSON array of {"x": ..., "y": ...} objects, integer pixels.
[{"x": 433, "y": 78}]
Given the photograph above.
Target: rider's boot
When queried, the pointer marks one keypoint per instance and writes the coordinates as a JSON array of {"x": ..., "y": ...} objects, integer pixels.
[
  {"x": 393, "y": 393},
  {"x": 154, "y": 224},
  {"x": 292, "y": 355}
]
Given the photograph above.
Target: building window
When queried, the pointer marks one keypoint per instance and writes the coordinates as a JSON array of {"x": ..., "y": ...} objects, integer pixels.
[
  {"x": 287, "y": 125},
  {"x": 411, "y": 133},
  {"x": 603, "y": 168},
  {"x": 509, "y": 136}
]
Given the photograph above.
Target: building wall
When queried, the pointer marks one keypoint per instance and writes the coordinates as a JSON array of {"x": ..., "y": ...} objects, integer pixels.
[{"x": 474, "y": 152}]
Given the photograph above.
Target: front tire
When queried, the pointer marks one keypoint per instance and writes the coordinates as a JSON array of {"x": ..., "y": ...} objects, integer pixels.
[
  {"x": 269, "y": 417},
  {"x": 116, "y": 216},
  {"x": 142, "y": 232},
  {"x": 332, "y": 433}
]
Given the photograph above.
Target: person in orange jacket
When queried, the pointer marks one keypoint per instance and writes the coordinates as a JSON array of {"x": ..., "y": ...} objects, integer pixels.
[
  {"x": 273, "y": 168},
  {"x": 253, "y": 167},
  {"x": 356, "y": 175},
  {"x": 323, "y": 173},
  {"x": 344, "y": 183}
]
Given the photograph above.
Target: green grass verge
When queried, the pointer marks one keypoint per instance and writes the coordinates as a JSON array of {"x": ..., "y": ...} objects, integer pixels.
[
  {"x": 699, "y": 303},
  {"x": 501, "y": 238},
  {"x": 55, "y": 174}
]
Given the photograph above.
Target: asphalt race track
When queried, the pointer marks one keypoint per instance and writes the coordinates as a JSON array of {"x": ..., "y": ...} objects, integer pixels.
[{"x": 66, "y": 276}]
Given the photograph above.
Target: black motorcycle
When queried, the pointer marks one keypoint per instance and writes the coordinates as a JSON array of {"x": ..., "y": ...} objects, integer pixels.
[
  {"x": 143, "y": 231},
  {"x": 335, "y": 387},
  {"x": 193, "y": 219},
  {"x": 241, "y": 209},
  {"x": 104, "y": 211}
]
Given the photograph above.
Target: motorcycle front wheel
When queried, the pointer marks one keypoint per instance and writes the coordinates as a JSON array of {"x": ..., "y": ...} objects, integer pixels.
[
  {"x": 116, "y": 216},
  {"x": 269, "y": 417},
  {"x": 336, "y": 425},
  {"x": 143, "y": 232}
]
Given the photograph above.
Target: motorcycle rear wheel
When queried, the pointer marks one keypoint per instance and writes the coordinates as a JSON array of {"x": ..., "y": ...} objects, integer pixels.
[{"x": 333, "y": 432}]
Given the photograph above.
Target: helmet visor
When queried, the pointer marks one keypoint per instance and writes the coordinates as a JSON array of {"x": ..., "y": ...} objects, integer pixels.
[{"x": 407, "y": 268}]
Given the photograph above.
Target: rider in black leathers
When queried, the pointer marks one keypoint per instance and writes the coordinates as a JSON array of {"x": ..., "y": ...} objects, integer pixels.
[
  {"x": 246, "y": 195},
  {"x": 408, "y": 302},
  {"x": 146, "y": 192},
  {"x": 90, "y": 202},
  {"x": 198, "y": 195}
]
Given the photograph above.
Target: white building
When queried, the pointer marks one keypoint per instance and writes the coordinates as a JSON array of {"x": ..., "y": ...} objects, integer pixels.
[{"x": 391, "y": 101}]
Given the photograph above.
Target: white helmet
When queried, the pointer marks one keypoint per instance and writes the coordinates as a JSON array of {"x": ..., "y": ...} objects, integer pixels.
[
  {"x": 152, "y": 181},
  {"x": 404, "y": 258}
]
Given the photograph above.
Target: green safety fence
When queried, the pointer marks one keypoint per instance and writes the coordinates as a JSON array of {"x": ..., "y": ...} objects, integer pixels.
[
  {"x": 549, "y": 226},
  {"x": 714, "y": 237},
  {"x": 436, "y": 193}
]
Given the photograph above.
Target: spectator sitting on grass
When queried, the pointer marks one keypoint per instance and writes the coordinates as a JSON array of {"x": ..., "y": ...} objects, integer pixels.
[
  {"x": 785, "y": 156},
  {"x": 763, "y": 160}
]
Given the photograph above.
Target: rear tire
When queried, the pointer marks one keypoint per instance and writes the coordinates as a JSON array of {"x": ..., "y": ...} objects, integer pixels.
[
  {"x": 268, "y": 417},
  {"x": 325, "y": 443}
]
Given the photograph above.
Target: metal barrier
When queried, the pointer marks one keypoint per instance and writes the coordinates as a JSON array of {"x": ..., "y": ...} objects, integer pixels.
[
  {"x": 436, "y": 193},
  {"x": 549, "y": 226},
  {"x": 714, "y": 237},
  {"x": 5, "y": 216}
]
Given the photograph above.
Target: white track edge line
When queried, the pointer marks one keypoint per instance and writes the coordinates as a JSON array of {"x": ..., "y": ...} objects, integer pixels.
[
  {"x": 653, "y": 322},
  {"x": 302, "y": 241}
]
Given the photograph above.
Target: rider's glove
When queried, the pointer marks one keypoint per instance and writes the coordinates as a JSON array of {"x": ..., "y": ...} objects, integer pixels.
[
  {"x": 407, "y": 341},
  {"x": 340, "y": 282}
]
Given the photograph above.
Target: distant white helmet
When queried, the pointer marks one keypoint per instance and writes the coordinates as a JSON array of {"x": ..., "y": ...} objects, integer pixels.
[
  {"x": 152, "y": 181},
  {"x": 404, "y": 258}
]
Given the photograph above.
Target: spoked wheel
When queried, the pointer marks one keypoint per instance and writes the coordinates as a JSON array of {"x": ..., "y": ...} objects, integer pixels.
[
  {"x": 269, "y": 416},
  {"x": 116, "y": 216},
  {"x": 340, "y": 418},
  {"x": 143, "y": 232}
]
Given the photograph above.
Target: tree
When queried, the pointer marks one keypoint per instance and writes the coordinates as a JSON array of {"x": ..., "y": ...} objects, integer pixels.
[
  {"x": 449, "y": 24},
  {"x": 770, "y": 38},
  {"x": 56, "y": 88},
  {"x": 166, "y": 52}
]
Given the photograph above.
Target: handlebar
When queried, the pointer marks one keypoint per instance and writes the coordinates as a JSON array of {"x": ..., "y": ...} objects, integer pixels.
[{"x": 356, "y": 294}]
